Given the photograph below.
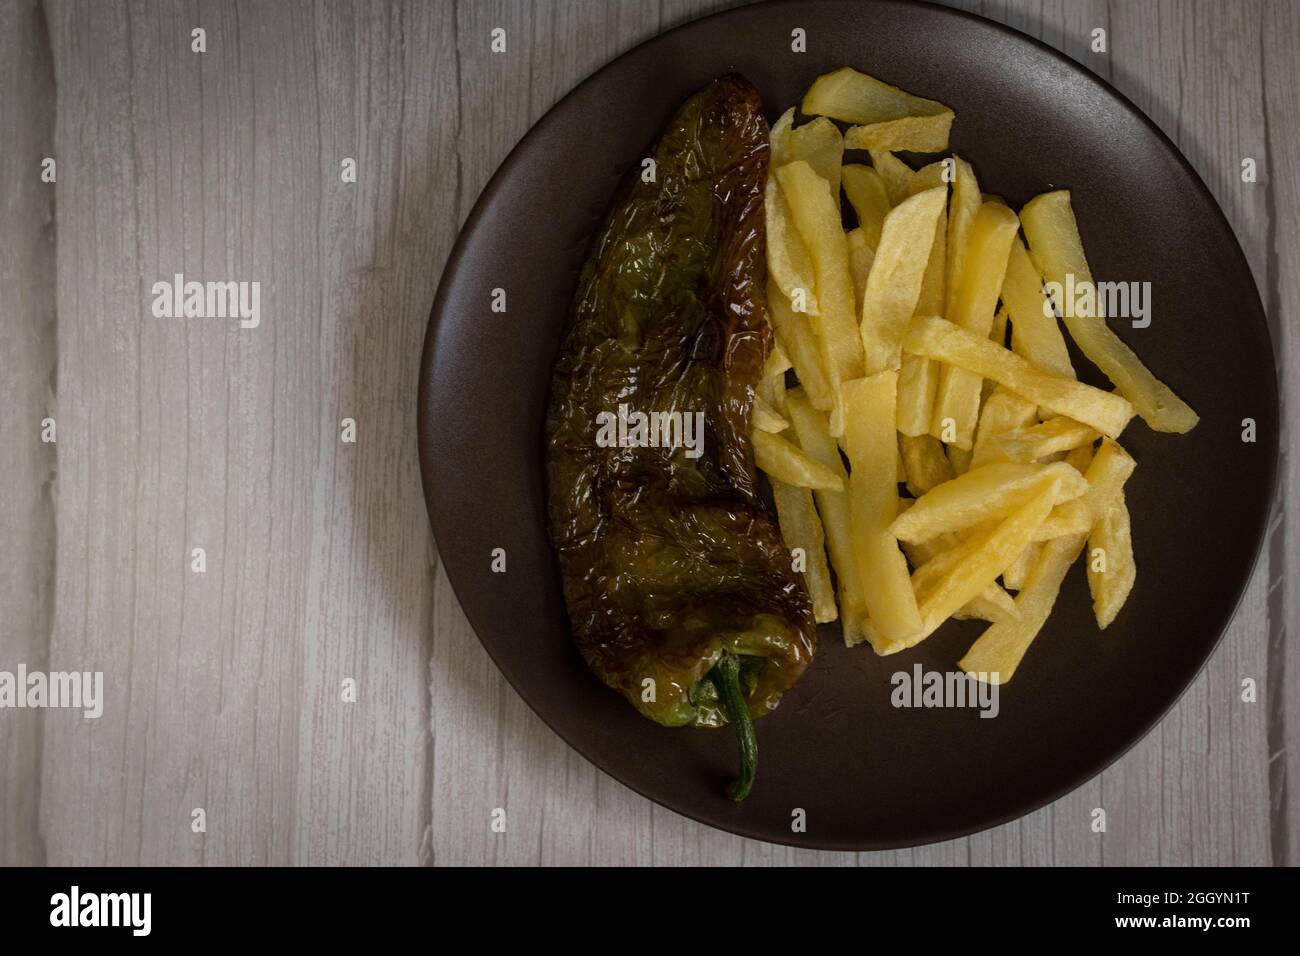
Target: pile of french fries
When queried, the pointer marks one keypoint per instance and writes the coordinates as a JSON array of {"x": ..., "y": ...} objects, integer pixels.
[{"x": 928, "y": 351}]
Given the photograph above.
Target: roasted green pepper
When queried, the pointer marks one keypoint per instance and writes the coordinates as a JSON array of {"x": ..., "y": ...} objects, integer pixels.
[{"x": 679, "y": 591}]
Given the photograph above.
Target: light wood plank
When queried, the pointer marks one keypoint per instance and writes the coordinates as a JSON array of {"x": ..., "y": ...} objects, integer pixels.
[
  {"x": 27, "y": 379},
  {"x": 1279, "y": 26},
  {"x": 224, "y": 688}
]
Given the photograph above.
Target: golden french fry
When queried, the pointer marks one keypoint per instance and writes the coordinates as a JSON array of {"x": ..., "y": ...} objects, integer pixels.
[
  {"x": 982, "y": 495},
  {"x": 961, "y": 215},
  {"x": 1110, "y": 468},
  {"x": 997, "y": 653},
  {"x": 818, "y": 143},
  {"x": 895, "y": 280},
  {"x": 929, "y": 177},
  {"x": 777, "y": 362},
  {"x": 871, "y": 439},
  {"x": 1057, "y": 434},
  {"x": 994, "y": 605},
  {"x": 998, "y": 333},
  {"x": 1080, "y": 459},
  {"x": 800, "y": 528},
  {"x": 813, "y": 432},
  {"x": 1034, "y": 333},
  {"x": 795, "y": 333},
  {"x": 772, "y": 391},
  {"x": 1018, "y": 571},
  {"x": 977, "y": 562},
  {"x": 983, "y": 265},
  {"x": 853, "y": 97},
  {"x": 817, "y": 218},
  {"x": 1111, "y": 568},
  {"x": 869, "y": 199},
  {"x": 1057, "y": 249},
  {"x": 894, "y": 173},
  {"x": 1004, "y": 411},
  {"x": 784, "y": 460},
  {"x": 918, "y": 378},
  {"x": 941, "y": 340},
  {"x": 788, "y": 263},
  {"x": 924, "y": 463},
  {"x": 766, "y": 418},
  {"x": 917, "y": 134},
  {"x": 861, "y": 256}
]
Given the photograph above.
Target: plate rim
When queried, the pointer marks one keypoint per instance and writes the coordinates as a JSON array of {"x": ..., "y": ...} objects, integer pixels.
[{"x": 464, "y": 241}]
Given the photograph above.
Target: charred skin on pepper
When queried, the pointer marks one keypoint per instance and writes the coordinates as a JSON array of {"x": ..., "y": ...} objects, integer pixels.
[{"x": 675, "y": 577}]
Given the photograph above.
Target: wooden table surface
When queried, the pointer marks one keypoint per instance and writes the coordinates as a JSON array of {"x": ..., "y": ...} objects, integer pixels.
[{"x": 224, "y": 690}]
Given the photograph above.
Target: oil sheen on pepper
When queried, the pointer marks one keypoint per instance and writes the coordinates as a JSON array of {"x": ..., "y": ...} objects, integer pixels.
[{"x": 669, "y": 561}]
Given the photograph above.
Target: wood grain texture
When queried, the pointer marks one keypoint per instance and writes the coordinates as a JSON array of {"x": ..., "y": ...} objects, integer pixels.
[
  {"x": 27, "y": 381},
  {"x": 1279, "y": 28},
  {"x": 224, "y": 689}
]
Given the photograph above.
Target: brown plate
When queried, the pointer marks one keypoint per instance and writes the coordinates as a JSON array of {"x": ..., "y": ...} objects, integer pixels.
[{"x": 866, "y": 774}]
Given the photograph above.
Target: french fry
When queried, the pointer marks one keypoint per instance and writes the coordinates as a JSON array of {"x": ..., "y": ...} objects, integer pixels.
[
  {"x": 961, "y": 215},
  {"x": 1080, "y": 459},
  {"x": 895, "y": 280},
  {"x": 777, "y": 362},
  {"x": 924, "y": 463},
  {"x": 977, "y": 562},
  {"x": 1035, "y": 336},
  {"x": 1057, "y": 249},
  {"x": 935, "y": 338},
  {"x": 1017, "y": 572},
  {"x": 894, "y": 173},
  {"x": 853, "y": 97},
  {"x": 998, "y": 652},
  {"x": 766, "y": 418},
  {"x": 801, "y": 528},
  {"x": 918, "y": 378},
  {"x": 1111, "y": 568},
  {"x": 917, "y": 134},
  {"x": 861, "y": 256},
  {"x": 869, "y": 199},
  {"x": 982, "y": 495},
  {"x": 772, "y": 391},
  {"x": 813, "y": 432},
  {"x": 819, "y": 143},
  {"x": 1004, "y": 411},
  {"x": 871, "y": 437},
  {"x": 928, "y": 177},
  {"x": 993, "y": 605},
  {"x": 971, "y": 307},
  {"x": 788, "y": 263},
  {"x": 998, "y": 333},
  {"x": 795, "y": 334},
  {"x": 817, "y": 218},
  {"x": 996, "y": 655},
  {"x": 784, "y": 460},
  {"x": 1057, "y": 434},
  {"x": 1110, "y": 468}
]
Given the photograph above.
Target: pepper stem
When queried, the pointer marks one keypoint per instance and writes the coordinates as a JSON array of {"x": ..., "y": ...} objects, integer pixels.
[{"x": 726, "y": 678}]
